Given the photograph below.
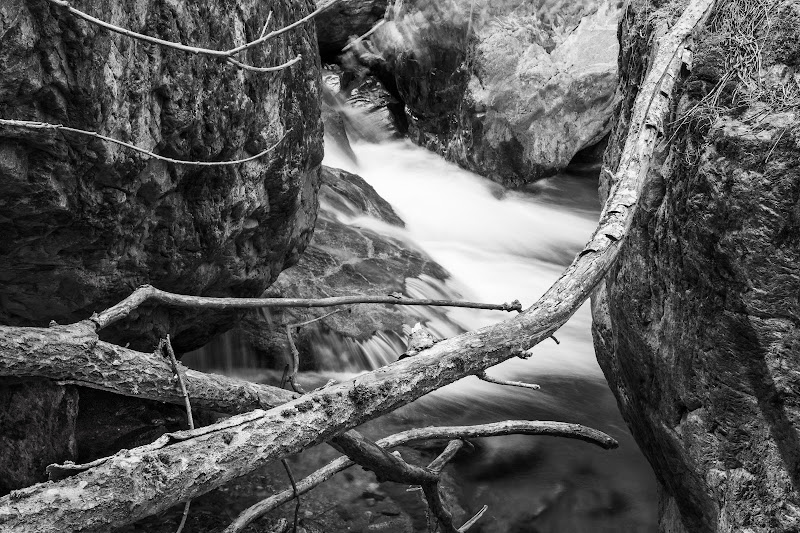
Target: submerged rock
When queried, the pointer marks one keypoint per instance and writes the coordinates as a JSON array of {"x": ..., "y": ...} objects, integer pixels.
[
  {"x": 510, "y": 91},
  {"x": 85, "y": 222},
  {"x": 697, "y": 327}
]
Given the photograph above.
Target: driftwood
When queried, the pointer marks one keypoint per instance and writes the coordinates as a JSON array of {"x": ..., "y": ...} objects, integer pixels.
[{"x": 137, "y": 483}]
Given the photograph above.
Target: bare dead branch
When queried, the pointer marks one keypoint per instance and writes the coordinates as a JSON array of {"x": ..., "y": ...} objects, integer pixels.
[
  {"x": 193, "y": 49},
  {"x": 523, "y": 427},
  {"x": 486, "y": 377},
  {"x": 294, "y": 490},
  {"x": 357, "y": 40},
  {"x": 471, "y": 522},
  {"x": 185, "y": 516},
  {"x": 276, "y": 68},
  {"x": 166, "y": 345},
  {"x": 171, "y": 355},
  {"x": 149, "y": 293},
  {"x": 266, "y": 25},
  {"x": 74, "y": 355},
  {"x": 47, "y": 126},
  {"x": 449, "y": 452}
]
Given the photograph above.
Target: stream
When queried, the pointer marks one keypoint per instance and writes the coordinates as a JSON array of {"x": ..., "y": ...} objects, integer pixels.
[{"x": 500, "y": 245}]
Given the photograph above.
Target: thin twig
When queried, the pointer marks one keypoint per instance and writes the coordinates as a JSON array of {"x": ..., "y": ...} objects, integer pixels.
[
  {"x": 449, "y": 452},
  {"x": 511, "y": 427},
  {"x": 179, "y": 376},
  {"x": 148, "y": 293},
  {"x": 307, "y": 322},
  {"x": 359, "y": 39},
  {"x": 296, "y": 494},
  {"x": 185, "y": 516},
  {"x": 295, "y": 362},
  {"x": 266, "y": 25},
  {"x": 486, "y": 377},
  {"x": 265, "y": 69},
  {"x": 167, "y": 344},
  {"x": 471, "y": 522},
  {"x": 292, "y": 375},
  {"x": 47, "y": 126}
]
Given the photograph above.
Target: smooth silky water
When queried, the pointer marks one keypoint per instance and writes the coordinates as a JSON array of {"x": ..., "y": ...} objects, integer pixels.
[
  {"x": 498, "y": 246},
  {"x": 501, "y": 245}
]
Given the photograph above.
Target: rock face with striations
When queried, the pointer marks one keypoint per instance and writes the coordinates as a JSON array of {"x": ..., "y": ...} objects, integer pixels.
[
  {"x": 697, "y": 327},
  {"x": 515, "y": 93},
  {"x": 85, "y": 222}
]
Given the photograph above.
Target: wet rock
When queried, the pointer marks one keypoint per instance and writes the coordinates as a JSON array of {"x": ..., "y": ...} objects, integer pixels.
[
  {"x": 510, "y": 91},
  {"x": 37, "y": 423},
  {"x": 85, "y": 222},
  {"x": 345, "y": 19},
  {"x": 352, "y": 252},
  {"x": 697, "y": 327}
]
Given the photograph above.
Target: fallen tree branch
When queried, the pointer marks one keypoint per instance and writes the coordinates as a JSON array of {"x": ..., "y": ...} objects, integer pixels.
[
  {"x": 515, "y": 427},
  {"x": 102, "y": 497},
  {"x": 486, "y": 377},
  {"x": 148, "y": 293},
  {"x": 74, "y": 355},
  {"x": 47, "y": 126},
  {"x": 167, "y": 347},
  {"x": 193, "y": 49}
]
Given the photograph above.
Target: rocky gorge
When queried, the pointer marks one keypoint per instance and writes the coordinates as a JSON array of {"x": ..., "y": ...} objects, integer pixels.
[{"x": 695, "y": 326}]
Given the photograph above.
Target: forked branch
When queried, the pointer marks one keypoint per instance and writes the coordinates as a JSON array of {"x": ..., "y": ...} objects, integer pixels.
[{"x": 513, "y": 427}]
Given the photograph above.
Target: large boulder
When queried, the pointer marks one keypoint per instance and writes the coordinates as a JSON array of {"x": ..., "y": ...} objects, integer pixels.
[
  {"x": 697, "y": 327},
  {"x": 512, "y": 91},
  {"x": 84, "y": 222}
]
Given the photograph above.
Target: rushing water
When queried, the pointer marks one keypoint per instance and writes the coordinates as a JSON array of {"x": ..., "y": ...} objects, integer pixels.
[{"x": 498, "y": 246}]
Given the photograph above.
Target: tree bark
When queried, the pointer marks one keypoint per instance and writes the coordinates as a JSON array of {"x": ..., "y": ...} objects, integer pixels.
[
  {"x": 74, "y": 355},
  {"x": 140, "y": 482}
]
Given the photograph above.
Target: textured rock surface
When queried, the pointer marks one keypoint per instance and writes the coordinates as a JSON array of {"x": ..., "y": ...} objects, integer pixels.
[
  {"x": 349, "y": 255},
  {"x": 85, "y": 222},
  {"x": 348, "y": 18},
  {"x": 37, "y": 423},
  {"x": 698, "y": 326},
  {"x": 529, "y": 88}
]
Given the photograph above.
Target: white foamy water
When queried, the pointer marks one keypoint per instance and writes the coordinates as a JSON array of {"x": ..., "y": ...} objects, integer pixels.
[{"x": 497, "y": 245}]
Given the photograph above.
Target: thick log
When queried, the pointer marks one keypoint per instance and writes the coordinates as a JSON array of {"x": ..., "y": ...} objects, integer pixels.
[
  {"x": 137, "y": 483},
  {"x": 74, "y": 355}
]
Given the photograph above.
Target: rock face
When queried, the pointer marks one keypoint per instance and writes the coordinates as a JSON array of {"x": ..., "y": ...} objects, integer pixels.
[
  {"x": 698, "y": 325},
  {"x": 37, "y": 425},
  {"x": 345, "y": 19},
  {"x": 84, "y": 222},
  {"x": 350, "y": 254},
  {"x": 515, "y": 93}
]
